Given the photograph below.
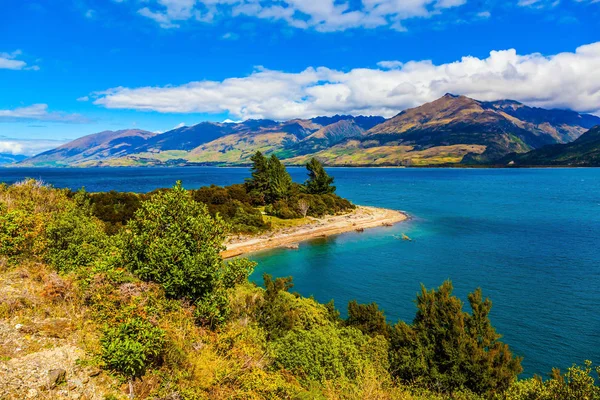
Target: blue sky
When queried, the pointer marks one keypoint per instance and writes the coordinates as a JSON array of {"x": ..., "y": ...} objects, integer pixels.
[{"x": 74, "y": 67}]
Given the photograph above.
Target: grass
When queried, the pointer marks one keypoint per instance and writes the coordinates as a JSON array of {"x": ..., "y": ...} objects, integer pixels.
[{"x": 278, "y": 223}]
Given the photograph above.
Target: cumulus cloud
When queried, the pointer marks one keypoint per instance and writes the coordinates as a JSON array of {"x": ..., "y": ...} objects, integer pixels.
[
  {"x": 10, "y": 61},
  {"x": 39, "y": 112},
  {"x": 565, "y": 80},
  {"x": 322, "y": 15},
  {"x": 27, "y": 147}
]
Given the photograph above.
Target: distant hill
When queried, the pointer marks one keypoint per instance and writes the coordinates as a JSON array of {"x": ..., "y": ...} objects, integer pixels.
[
  {"x": 583, "y": 152},
  {"x": 6, "y": 158},
  {"x": 458, "y": 129},
  {"x": 451, "y": 130},
  {"x": 92, "y": 149}
]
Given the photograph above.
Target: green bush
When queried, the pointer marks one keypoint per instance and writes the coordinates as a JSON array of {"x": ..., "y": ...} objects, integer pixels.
[
  {"x": 14, "y": 226},
  {"x": 74, "y": 238},
  {"x": 131, "y": 347},
  {"x": 173, "y": 240},
  {"x": 326, "y": 352},
  {"x": 282, "y": 311},
  {"x": 577, "y": 383}
]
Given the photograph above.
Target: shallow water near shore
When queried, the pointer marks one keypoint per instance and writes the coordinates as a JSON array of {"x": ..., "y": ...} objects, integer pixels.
[{"x": 530, "y": 238}]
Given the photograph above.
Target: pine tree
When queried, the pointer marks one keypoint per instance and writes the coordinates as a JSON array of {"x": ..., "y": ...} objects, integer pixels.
[
  {"x": 319, "y": 182},
  {"x": 448, "y": 349},
  {"x": 258, "y": 184},
  {"x": 280, "y": 181}
]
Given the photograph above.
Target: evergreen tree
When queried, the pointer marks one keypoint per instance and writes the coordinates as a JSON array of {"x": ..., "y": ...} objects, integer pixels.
[
  {"x": 280, "y": 181},
  {"x": 258, "y": 184},
  {"x": 319, "y": 182},
  {"x": 448, "y": 349},
  {"x": 367, "y": 318}
]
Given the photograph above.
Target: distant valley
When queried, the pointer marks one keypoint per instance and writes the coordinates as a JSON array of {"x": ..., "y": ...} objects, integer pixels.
[{"x": 453, "y": 130}]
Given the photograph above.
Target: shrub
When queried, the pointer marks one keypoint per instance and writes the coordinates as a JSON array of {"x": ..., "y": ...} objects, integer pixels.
[
  {"x": 74, "y": 238},
  {"x": 282, "y": 311},
  {"x": 327, "y": 352},
  {"x": 172, "y": 240},
  {"x": 576, "y": 384},
  {"x": 132, "y": 347}
]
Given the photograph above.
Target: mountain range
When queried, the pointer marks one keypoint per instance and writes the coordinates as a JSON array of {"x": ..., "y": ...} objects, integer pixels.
[
  {"x": 582, "y": 152},
  {"x": 449, "y": 131}
]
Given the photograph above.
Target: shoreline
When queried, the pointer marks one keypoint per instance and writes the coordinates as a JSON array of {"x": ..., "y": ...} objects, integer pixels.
[{"x": 361, "y": 218}]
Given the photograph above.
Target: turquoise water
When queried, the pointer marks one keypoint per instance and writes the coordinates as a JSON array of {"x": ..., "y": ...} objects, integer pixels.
[{"x": 529, "y": 238}]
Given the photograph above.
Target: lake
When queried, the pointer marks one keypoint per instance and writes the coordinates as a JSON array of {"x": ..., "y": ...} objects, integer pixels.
[{"x": 530, "y": 238}]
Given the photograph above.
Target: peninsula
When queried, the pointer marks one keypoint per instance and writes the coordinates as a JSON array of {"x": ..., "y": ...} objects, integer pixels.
[{"x": 360, "y": 218}]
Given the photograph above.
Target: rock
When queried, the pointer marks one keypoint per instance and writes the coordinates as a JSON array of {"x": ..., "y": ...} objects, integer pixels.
[
  {"x": 18, "y": 326},
  {"x": 32, "y": 393},
  {"x": 74, "y": 384},
  {"x": 56, "y": 377},
  {"x": 94, "y": 372}
]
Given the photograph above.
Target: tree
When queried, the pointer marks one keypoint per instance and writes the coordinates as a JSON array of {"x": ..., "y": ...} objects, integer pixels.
[
  {"x": 303, "y": 207},
  {"x": 446, "y": 348},
  {"x": 368, "y": 318},
  {"x": 258, "y": 184},
  {"x": 131, "y": 347},
  {"x": 280, "y": 181},
  {"x": 319, "y": 182}
]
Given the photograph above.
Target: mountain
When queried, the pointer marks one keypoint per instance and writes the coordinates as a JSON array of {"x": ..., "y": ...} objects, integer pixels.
[
  {"x": 92, "y": 149},
  {"x": 449, "y": 131},
  {"x": 457, "y": 129},
  {"x": 583, "y": 152},
  {"x": 6, "y": 158}
]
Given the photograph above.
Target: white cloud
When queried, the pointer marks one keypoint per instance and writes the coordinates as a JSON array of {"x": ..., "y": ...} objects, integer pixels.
[
  {"x": 390, "y": 64},
  {"x": 484, "y": 14},
  {"x": 10, "y": 61},
  {"x": 27, "y": 147},
  {"x": 322, "y": 15},
  {"x": 541, "y": 4},
  {"x": 565, "y": 80},
  {"x": 39, "y": 112}
]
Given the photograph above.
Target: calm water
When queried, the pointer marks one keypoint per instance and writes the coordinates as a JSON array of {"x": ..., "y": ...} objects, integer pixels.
[{"x": 529, "y": 238}]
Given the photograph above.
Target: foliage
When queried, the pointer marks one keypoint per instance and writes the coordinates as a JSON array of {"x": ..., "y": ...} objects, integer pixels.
[
  {"x": 172, "y": 240},
  {"x": 234, "y": 205},
  {"x": 280, "y": 181},
  {"x": 448, "y": 349},
  {"x": 115, "y": 208},
  {"x": 258, "y": 185},
  {"x": 319, "y": 182},
  {"x": 132, "y": 346},
  {"x": 282, "y": 311},
  {"x": 577, "y": 383},
  {"x": 367, "y": 318},
  {"x": 327, "y": 352},
  {"x": 74, "y": 238},
  {"x": 25, "y": 208}
]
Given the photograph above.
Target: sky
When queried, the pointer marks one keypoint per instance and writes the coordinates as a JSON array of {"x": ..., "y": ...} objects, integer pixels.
[{"x": 70, "y": 68}]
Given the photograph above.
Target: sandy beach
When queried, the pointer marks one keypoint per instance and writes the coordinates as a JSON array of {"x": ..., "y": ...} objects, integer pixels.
[{"x": 359, "y": 219}]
